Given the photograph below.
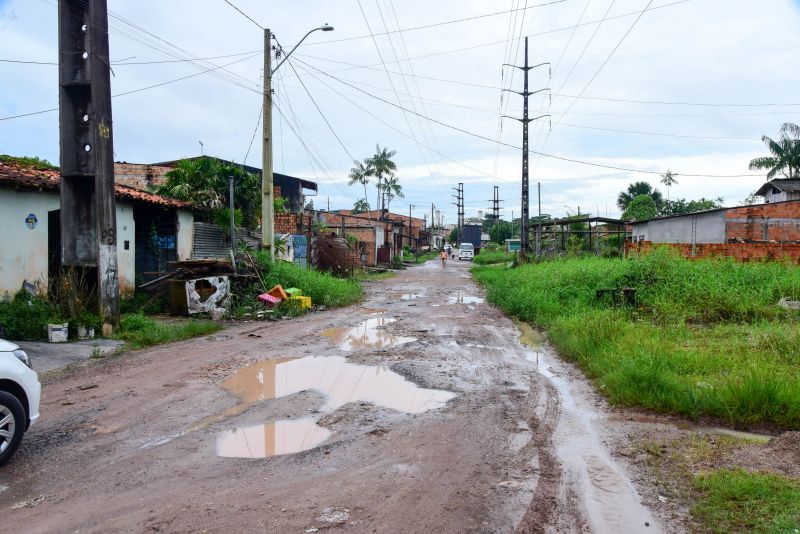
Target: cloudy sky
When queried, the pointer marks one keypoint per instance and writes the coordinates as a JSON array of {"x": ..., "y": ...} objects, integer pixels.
[{"x": 687, "y": 85}]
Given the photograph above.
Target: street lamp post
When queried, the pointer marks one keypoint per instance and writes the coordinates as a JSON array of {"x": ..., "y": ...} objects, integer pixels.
[{"x": 267, "y": 181}]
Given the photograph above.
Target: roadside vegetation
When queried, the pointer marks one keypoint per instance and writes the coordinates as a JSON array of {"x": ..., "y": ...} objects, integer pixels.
[
  {"x": 140, "y": 331},
  {"x": 488, "y": 258},
  {"x": 705, "y": 338}
]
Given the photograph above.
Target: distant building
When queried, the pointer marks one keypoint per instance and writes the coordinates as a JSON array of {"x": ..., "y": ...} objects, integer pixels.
[
  {"x": 152, "y": 230},
  {"x": 779, "y": 190}
]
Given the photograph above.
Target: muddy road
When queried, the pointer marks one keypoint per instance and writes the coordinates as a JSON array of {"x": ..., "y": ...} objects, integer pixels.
[{"x": 416, "y": 411}]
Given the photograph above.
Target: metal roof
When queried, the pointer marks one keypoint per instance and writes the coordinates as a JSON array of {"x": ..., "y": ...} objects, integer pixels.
[{"x": 782, "y": 184}]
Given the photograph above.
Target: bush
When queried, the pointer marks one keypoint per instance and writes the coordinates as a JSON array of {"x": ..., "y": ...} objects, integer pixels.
[
  {"x": 140, "y": 331},
  {"x": 25, "y": 317},
  {"x": 488, "y": 257}
]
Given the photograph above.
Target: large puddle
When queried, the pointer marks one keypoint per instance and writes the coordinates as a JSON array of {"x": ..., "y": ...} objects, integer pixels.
[
  {"x": 271, "y": 439},
  {"x": 369, "y": 334},
  {"x": 339, "y": 381}
]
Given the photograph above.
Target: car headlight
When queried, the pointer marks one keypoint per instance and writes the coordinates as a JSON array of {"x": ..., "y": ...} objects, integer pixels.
[{"x": 23, "y": 357}]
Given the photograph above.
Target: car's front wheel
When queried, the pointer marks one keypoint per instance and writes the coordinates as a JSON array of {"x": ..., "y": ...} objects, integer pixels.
[{"x": 12, "y": 425}]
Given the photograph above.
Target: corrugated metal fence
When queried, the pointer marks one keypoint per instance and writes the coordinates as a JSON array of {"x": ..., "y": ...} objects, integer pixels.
[{"x": 210, "y": 241}]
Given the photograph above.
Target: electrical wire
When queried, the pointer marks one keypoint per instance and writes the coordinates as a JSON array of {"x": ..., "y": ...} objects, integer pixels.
[{"x": 245, "y": 15}]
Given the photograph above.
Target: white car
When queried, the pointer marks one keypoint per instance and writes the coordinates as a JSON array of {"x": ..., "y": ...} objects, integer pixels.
[
  {"x": 466, "y": 251},
  {"x": 19, "y": 397}
]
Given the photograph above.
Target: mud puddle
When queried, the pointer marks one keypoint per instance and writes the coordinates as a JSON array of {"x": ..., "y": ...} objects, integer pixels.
[
  {"x": 368, "y": 334},
  {"x": 461, "y": 298},
  {"x": 610, "y": 501},
  {"x": 271, "y": 439},
  {"x": 339, "y": 381}
]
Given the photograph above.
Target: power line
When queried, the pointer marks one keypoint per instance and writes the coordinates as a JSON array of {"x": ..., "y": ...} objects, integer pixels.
[
  {"x": 255, "y": 130},
  {"x": 245, "y": 15},
  {"x": 552, "y": 156}
]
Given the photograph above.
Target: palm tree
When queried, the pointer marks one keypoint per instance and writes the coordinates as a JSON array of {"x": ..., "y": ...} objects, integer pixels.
[
  {"x": 639, "y": 188},
  {"x": 360, "y": 174},
  {"x": 361, "y": 206},
  {"x": 668, "y": 180},
  {"x": 381, "y": 165},
  {"x": 393, "y": 189},
  {"x": 785, "y": 158}
]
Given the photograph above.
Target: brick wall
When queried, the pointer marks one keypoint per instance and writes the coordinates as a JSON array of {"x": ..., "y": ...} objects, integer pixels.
[
  {"x": 767, "y": 222},
  {"x": 739, "y": 251},
  {"x": 292, "y": 223},
  {"x": 139, "y": 175}
]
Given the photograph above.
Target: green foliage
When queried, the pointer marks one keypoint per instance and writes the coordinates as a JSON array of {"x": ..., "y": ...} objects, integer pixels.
[
  {"x": 279, "y": 205},
  {"x": 397, "y": 262},
  {"x": 222, "y": 218},
  {"x": 500, "y": 232},
  {"x": 26, "y": 316},
  {"x": 204, "y": 182},
  {"x": 634, "y": 190},
  {"x": 681, "y": 207},
  {"x": 738, "y": 501},
  {"x": 453, "y": 237},
  {"x": 488, "y": 258},
  {"x": 641, "y": 208},
  {"x": 324, "y": 289},
  {"x": 706, "y": 337},
  {"x": 361, "y": 206},
  {"x": 29, "y": 162},
  {"x": 785, "y": 154},
  {"x": 139, "y": 331}
]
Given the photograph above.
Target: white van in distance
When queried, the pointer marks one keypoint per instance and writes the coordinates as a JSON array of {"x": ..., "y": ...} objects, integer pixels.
[{"x": 465, "y": 251}]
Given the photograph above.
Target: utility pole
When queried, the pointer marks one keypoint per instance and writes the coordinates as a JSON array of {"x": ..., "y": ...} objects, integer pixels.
[
  {"x": 267, "y": 185},
  {"x": 524, "y": 245},
  {"x": 459, "y": 203},
  {"x": 410, "y": 207},
  {"x": 539, "y": 225},
  {"x": 88, "y": 205},
  {"x": 495, "y": 216}
]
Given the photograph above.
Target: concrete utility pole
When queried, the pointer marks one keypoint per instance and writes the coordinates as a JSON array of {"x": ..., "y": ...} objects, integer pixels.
[
  {"x": 410, "y": 207},
  {"x": 232, "y": 214},
  {"x": 267, "y": 179},
  {"x": 524, "y": 230},
  {"x": 459, "y": 203},
  {"x": 539, "y": 225},
  {"x": 88, "y": 205},
  {"x": 495, "y": 205}
]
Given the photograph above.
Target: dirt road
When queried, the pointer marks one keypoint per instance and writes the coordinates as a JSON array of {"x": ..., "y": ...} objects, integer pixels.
[{"x": 415, "y": 411}]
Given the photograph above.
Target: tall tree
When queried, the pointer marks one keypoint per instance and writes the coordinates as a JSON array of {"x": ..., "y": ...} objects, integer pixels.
[
  {"x": 639, "y": 188},
  {"x": 360, "y": 174},
  {"x": 641, "y": 208},
  {"x": 382, "y": 165},
  {"x": 668, "y": 180},
  {"x": 393, "y": 189},
  {"x": 785, "y": 158}
]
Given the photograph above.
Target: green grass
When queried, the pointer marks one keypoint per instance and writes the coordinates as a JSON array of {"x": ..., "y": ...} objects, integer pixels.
[
  {"x": 139, "y": 331},
  {"x": 487, "y": 258},
  {"x": 31, "y": 162},
  {"x": 25, "y": 317},
  {"x": 323, "y": 288},
  {"x": 738, "y": 501},
  {"x": 706, "y": 339},
  {"x": 426, "y": 256}
]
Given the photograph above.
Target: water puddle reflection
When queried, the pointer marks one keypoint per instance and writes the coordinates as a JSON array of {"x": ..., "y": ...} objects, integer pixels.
[
  {"x": 271, "y": 439},
  {"x": 461, "y": 298},
  {"x": 530, "y": 337},
  {"x": 368, "y": 334}
]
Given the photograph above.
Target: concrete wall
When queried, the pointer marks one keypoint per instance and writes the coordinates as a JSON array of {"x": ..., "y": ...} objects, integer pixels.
[
  {"x": 126, "y": 234},
  {"x": 23, "y": 251},
  {"x": 185, "y": 237},
  {"x": 710, "y": 228}
]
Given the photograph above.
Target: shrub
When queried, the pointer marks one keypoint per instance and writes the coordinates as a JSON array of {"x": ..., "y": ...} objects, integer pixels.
[{"x": 26, "y": 316}]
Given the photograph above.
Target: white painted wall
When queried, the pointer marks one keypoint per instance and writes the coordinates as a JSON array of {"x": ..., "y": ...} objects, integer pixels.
[
  {"x": 23, "y": 252},
  {"x": 709, "y": 228},
  {"x": 185, "y": 237},
  {"x": 126, "y": 259}
]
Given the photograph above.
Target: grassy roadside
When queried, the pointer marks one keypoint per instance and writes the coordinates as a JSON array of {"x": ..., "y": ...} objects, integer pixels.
[
  {"x": 488, "y": 258},
  {"x": 706, "y": 338},
  {"x": 140, "y": 331}
]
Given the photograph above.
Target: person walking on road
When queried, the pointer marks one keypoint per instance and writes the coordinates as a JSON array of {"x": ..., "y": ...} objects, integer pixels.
[{"x": 443, "y": 255}]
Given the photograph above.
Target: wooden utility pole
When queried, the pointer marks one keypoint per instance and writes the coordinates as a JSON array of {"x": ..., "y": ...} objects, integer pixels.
[
  {"x": 88, "y": 205},
  {"x": 267, "y": 207}
]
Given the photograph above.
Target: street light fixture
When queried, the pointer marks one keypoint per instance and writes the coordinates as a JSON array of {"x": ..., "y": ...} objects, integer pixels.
[{"x": 267, "y": 182}]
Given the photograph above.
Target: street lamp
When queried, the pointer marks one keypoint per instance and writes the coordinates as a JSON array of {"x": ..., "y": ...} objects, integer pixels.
[{"x": 267, "y": 182}]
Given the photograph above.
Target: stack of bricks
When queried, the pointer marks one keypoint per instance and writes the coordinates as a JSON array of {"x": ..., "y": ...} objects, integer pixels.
[{"x": 739, "y": 251}]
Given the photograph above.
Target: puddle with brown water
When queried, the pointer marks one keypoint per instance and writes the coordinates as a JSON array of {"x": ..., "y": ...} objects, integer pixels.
[
  {"x": 334, "y": 377},
  {"x": 368, "y": 334},
  {"x": 271, "y": 439}
]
